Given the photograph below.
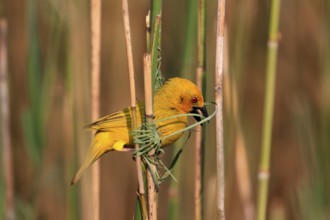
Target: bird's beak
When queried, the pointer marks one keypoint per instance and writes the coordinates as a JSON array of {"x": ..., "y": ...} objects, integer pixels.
[{"x": 199, "y": 110}]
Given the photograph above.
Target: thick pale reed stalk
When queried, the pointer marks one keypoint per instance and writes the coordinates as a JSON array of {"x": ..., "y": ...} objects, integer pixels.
[
  {"x": 219, "y": 67},
  {"x": 152, "y": 195},
  {"x": 263, "y": 175},
  {"x": 200, "y": 71},
  {"x": 133, "y": 104},
  {"x": 95, "y": 87},
  {"x": 5, "y": 124}
]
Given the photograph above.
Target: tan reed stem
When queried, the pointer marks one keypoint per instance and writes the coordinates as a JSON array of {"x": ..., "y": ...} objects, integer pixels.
[
  {"x": 200, "y": 72},
  {"x": 152, "y": 195},
  {"x": 198, "y": 173},
  {"x": 219, "y": 67},
  {"x": 133, "y": 105},
  {"x": 95, "y": 87}
]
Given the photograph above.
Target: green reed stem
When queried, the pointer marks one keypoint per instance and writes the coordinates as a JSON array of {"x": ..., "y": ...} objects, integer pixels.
[{"x": 268, "y": 110}]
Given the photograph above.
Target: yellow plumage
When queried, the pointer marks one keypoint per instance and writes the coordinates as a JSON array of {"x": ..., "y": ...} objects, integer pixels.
[{"x": 177, "y": 96}]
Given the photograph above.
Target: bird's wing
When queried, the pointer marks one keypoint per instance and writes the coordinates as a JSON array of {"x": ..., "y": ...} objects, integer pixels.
[
  {"x": 115, "y": 120},
  {"x": 120, "y": 119}
]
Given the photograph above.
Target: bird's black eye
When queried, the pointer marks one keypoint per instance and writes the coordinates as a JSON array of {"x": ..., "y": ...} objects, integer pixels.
[{"x": 194, "y": 99}]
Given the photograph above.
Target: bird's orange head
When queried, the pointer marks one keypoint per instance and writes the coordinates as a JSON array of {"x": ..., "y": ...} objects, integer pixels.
[{"x": 184, "y": 96}]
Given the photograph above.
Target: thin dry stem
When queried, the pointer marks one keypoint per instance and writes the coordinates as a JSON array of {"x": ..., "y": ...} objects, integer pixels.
[
  {"x": 198, "y": 137},
  {"x": 219, "y": 66},
  {"x": 198, "y": 155},
  {"x": 198, "y": 173},
  {"x": 5, "y": 125},
  {"x": 95, "y": 87},
  {"x": 152, "y": 195},
  {"x": 129, "y": 52},
  {"x": 133, "y": 103},
  {"x": 148, "y": 85}
]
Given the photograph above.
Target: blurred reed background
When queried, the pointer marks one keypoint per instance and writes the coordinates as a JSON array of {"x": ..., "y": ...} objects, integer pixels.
[{"x": 49, "y": 88}]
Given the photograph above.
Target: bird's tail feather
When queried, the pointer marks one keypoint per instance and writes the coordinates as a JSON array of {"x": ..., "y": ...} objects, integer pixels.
[{"x": 93, "y": 154}]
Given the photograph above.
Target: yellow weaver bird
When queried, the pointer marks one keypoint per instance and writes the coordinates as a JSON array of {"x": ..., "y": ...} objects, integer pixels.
[{"x": 113, "y": 132}]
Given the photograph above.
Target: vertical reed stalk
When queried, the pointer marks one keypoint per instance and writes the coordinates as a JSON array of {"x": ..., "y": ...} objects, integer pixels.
[
  {"x": 150, "y": 61},
  {"x": 5, "y": 124},
  {"x": 156, "y": 10},
  {"x": 200, "y": 74},
  {"x": 198, "y": 171},
  {"x": 156, "y": 36},
  {"x": 219, "y": 67},
  {"x": 155, "y": 24},
  {"x": 263, "y": 175},
  {"x": 152, "y": 195},
  {"x": 95, "y": 87},
  {"x": 133, "y": 105}
]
